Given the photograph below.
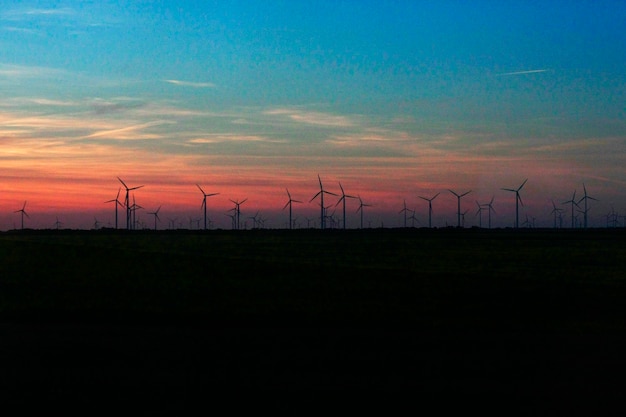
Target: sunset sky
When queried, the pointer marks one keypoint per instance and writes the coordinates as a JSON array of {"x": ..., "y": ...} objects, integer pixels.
[{"x": 394, "y": 100}]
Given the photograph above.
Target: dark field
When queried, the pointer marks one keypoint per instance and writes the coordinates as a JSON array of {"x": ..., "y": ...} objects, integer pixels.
[{"x": 305, "y": 322}]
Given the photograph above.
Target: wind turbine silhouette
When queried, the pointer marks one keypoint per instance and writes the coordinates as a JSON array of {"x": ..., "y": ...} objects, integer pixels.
[
  {"x": 413, "y": 218},
  {"x": 23, "y": 211},
  {"x": 479, "y": 213},
  {"x": 129, "y": 210},
  {"x": 156, "y": 217},
  {"x": 343, "y": 199},
  {"x": 117, "y": 202},
  {"x": 57, "y": 224},
  {"x": 238, "y": 210},
  {"x": 556, "y": 211},
  {"x": 321, "y": 193},
  {"x": 289, "y": 203},
  {"x": 489, "y": 205},
  {"x": 585, "y": 198},
  {"x": 430, "y": 208},
  {"x": 133, "y": 210},
  {"x": 361, "y": 205},
  {"x": 203, "y": 205},
  {"x": 404, "y": 210},
  {"x": 518, "y": 200},
  {"x": 458, "y": 211},
  {"x": 573, "y": 203}
]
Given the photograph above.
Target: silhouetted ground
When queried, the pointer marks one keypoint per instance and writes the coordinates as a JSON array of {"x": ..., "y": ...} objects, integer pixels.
[{"x": 305, "y": 322}]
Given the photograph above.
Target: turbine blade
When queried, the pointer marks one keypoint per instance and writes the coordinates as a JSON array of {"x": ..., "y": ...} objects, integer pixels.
[{"x": 520, "y": 187}]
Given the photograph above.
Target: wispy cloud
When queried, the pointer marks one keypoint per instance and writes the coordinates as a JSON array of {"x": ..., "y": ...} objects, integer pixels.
[
  {"x": 190, "y": 84},
  {"x": 229, "y": 137},
  {"x": 522, "y": 72},
  {"x": 129, "y": 132},
  {"x": 313, "y": 118},
  {"x": 24, "y": 13}
]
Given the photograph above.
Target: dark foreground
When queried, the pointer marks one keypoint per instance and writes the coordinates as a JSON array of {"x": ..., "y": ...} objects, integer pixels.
[{"x": 528, "y": 322}]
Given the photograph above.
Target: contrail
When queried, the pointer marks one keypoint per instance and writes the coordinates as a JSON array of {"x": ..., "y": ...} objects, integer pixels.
[{"x": 521, "y": 72}]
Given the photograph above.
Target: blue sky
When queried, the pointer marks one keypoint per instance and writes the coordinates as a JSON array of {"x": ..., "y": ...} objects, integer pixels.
[{"x": 394, "y": 100}]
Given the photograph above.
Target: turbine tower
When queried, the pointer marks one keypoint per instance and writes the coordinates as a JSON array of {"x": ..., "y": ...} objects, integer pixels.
[
  {"x": 489, "y": 205},
  {"x": 361, "y": 205},
  {"x": 321, "y": 193},
  {"x": 129, "y": 209},
  {"x": 556, "y": 211},
  {"x": 117, "y": 202},
  {"x": 404, "y": 210},
  {"x": 237, "y": 211},
  {"x": 518, "y": 201},
  {"x": 585, "y": 198},
  {"x": 203, "y": 205},
  {"x": 573, "y": 203},
  {"x": 156, "y": 217},
  {"x": 458, "y": 211},
  {"x": 430, "y": 208},
  {"x": 343, "y": 199},
  {"x": 23, "y": 213},
  {"x": 289, "y": 203}
]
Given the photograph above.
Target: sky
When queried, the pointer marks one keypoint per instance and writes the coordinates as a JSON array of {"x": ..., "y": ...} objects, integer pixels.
[{"x": 395, "y": 102}]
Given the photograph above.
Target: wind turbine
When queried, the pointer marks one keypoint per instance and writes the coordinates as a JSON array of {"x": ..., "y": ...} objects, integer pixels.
[
  {"x": 23, "y": 211},
  {"x": 458, "y": 211},
  {"x": 238, "y": 210},
  {"x": 117, "y": 202},
  {"x": 413, "y": 218},
  {"x": 518, "y": 200},
  {"x": 133, "y": 210},
  {"x": 489, "y": 205},
  {"x": 156, "y": 217},
  {"x": 203, "y": 205},
  {"x": 585, "y": 198},
  {"x": 321, "y": 193},
  {"x": 361, "y": 205},
  {"x": 404, "y": 210},
  {"x": 479, "y": 213},
  {"x": 343, "y": 199},
  {"x": 57, "y": 223},
  {"x": 430, "y": 208},
  {"x": 289, "y": 202},
  {"x": 573, "y": 203},
  {"x": 556, "y": 211},
  {"x": 129, "y": 210}
]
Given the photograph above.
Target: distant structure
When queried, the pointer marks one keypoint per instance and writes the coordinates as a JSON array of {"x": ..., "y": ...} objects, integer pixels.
[
  {"x": 117, "y": 203},
  {"x": 361, "y": 205},
  {"x": 343, "y": 199},
  {"x": 458, "y": 211},
  {"x": 518, "y": 200},
  {"x": 489, "y": 205},
  {"x": 23, "y": 213},
  {"x": 129, "y": 209},
  {"x": 203, "y": 205},
  {"x": 479, "y": 213},
  {"x": 156, "y": 217},
  {"x": 321, "y": 193},
  {"x": 584, "y": 198},
  {"x": 404, "y": 210},
  {"x": 289, "y": 203},
  {"x": 237, "y": 211},
  {"x": 573, "y": 203},
  {"x": 430, "y": 208},
  {"x": 557, "y": 214}
]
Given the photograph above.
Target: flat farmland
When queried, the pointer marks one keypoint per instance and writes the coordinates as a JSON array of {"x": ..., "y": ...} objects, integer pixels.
[{"x": 161, "y": 322}]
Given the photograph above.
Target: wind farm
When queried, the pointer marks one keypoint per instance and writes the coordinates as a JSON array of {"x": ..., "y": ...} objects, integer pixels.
[{"x": 448, "y": 215}]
